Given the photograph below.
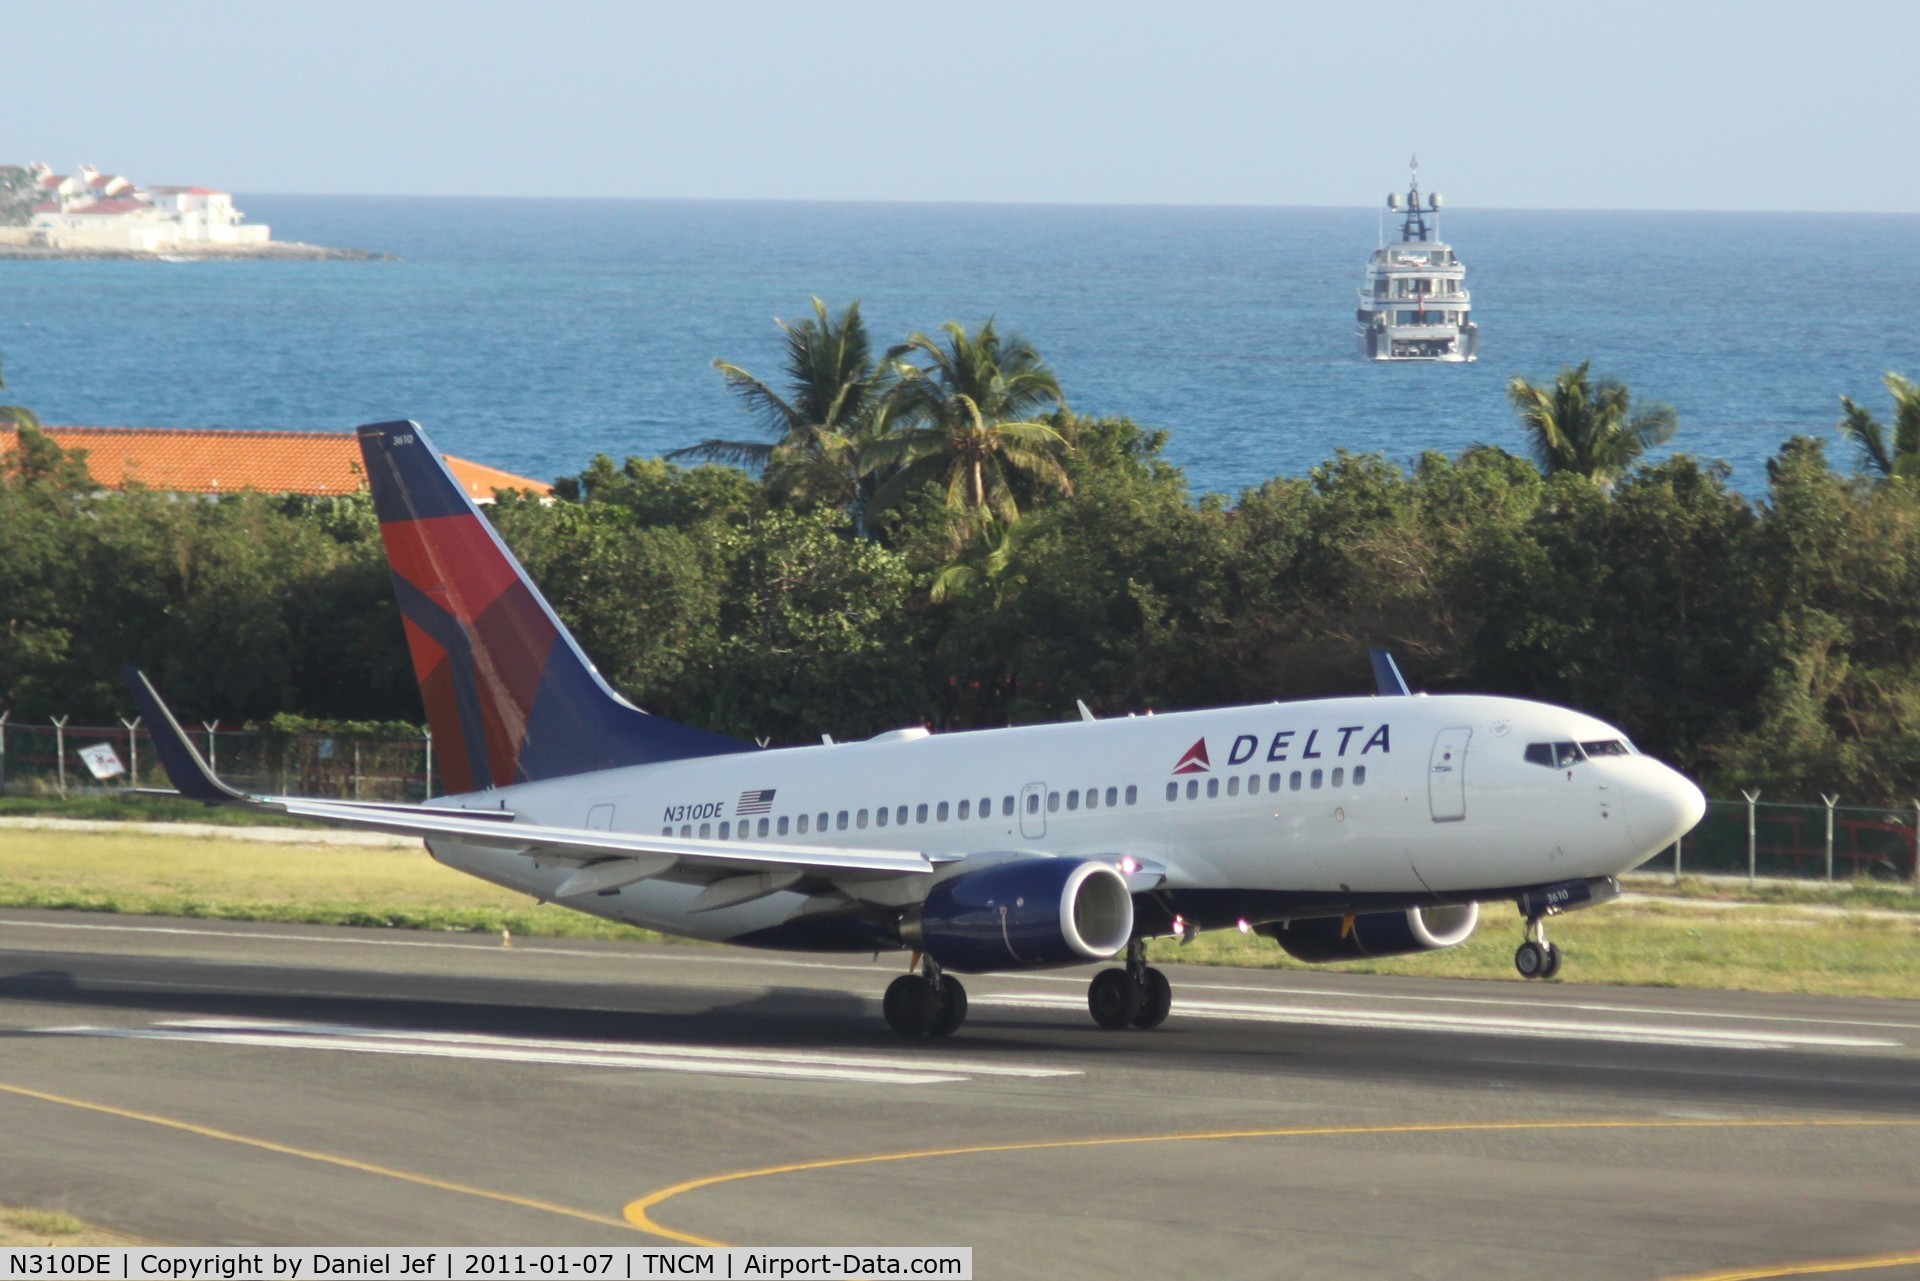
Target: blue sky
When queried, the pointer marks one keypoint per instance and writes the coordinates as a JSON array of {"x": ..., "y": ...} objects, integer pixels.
[{"x": 1671, "y": 105}]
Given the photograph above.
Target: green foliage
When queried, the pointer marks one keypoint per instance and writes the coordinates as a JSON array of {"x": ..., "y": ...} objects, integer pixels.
[
  {"x": 1899, "y": 457},
  {"x": 18, "y": 193},
  {"x": 1588, "y": 427}
]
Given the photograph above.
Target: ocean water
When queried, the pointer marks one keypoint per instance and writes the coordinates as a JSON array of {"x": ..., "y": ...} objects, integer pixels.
[{"x": 533, "y": 334}]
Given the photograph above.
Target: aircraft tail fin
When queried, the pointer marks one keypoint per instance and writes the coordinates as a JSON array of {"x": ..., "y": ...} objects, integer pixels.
[{"x": 509, "y": 694}]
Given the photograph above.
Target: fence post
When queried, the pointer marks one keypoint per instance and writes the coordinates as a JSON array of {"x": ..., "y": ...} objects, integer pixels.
[
  {"x": 1916, "y": 830},
  {"x": 428, "y": 735},
  {"x": 356, "y": 769},
  {"x": 1831, "y": 801},
  {"x": 60, "y": 748},
  {"x": 3, "y": 754},
  {"x": 133, "y": 748},
  {"x": 1676, "y": 860},
  {"x": 1752, "y": 840}
]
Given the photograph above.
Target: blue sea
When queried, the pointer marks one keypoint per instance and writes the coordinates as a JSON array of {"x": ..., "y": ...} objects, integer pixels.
[{"x": 535, "y": 333}]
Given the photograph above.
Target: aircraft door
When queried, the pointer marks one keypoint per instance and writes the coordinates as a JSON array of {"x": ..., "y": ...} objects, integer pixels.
[
  {"x": 1447, "y": 775},
  {"x": 1033, "y": 811},
  {"x": 600, "y": 818}
]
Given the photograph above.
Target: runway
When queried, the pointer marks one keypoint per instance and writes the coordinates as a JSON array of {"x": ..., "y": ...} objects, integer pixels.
[{"x": 220, "y": 1083}]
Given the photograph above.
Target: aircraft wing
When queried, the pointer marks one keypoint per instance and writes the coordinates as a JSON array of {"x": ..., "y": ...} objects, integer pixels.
[{"x": 636, "y": 857}]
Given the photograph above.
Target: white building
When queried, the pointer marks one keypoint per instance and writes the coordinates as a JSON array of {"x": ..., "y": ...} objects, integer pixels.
[{"x": 91, "y": 210}]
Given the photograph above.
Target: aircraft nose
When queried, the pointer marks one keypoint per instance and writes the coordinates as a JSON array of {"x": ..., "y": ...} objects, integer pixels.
[{"x": 1663, "y": 806}]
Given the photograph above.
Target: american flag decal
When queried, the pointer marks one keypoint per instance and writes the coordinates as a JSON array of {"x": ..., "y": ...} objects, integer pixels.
[{"x": 754, "y": 802}]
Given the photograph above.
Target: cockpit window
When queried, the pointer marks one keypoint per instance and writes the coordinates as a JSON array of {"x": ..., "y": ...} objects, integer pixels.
[
  {"x": 1554, "y": 755},
  {"x": 1606, "y": 747}
]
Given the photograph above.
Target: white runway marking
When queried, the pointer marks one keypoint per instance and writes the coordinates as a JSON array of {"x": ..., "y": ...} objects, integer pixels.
[
  {"x": 1549, "y": 1028},
  {"x": 867, "y": 1069}
]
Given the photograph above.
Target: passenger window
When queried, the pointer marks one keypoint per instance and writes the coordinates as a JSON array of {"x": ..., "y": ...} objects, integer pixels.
[
  {"x": 1273, "y": 783},
  {"x": 723, "y": 831},
  {"x": 803, "y": 825},
  {"x": 900, "y": 817},
  {"x": 1293, "y": 781},
  {"x": 1253, "y": 785},
  {"x": 783, "y": 824},
  {"x": 965, "y": 808},
  {"x": 920, "y": 813},
  {"x": 1113, "y": 797},
  {"x": 1006, "y": 807},
  {"x": 840, "y": 821},
  {"x": 1033, "y": 802},
  {"x": 1093, "y": 798},
  {"x": 1213, "y": 788},
  {"x": 686, "y": 830},
  {"x": 1316, "y": 779},
  {"x": 821, "y": 822},
  {"x": 940, "y": 812},
  {"x": 1133, "y": 793},
  {"x": 1193, "y": 789},
  {"x": 1359, "y": 775},
  {"x": 1233, "y": 786},
  {"x": 667, "y": 830},
  {"x": 1073, "y": 800},
  {"x": 986, "y": 807},
  {"x": 880, "y": 817},
  {"x": 860, "y": 819},
  {"x": 1339, "y": 776},
  {"x": 706, "y": 830},
  {"x": 1173, "y": 791},
  {"x": 763, "y": 826},
  {"x": 1053, "y": 802}
]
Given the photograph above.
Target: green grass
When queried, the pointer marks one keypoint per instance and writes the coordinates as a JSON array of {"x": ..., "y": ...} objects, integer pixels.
[
  {"x": 139, "y": 809},
  {"x": 1778, "y": 942},
  {"x": 51, "y": 1227},
  {"x": 1892, "y": 895}
]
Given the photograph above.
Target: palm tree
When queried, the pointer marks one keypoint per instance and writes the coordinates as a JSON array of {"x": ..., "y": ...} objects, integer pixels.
[
  {"x": 1588, "y": 427},
  {"x": 18, "y": 415},
  {"x": 1903, "y": 459},
  {"x": 966, "y": 420},
  {"x": 832, "y": 402}
]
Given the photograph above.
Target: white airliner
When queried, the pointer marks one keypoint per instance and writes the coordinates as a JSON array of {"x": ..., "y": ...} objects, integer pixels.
[{"x": 1341, "y": 828}]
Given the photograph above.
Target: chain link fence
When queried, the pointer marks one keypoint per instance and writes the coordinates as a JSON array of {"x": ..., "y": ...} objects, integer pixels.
[
  {"x": 66, "y": 759},
  {"x": 1752, "y": 838}
]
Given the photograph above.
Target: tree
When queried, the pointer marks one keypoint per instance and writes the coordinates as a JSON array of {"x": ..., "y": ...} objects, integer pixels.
[
  {"x": 18, "y": 191},
  {"x": 18, "y": 415},
  {"x": 966, "y": 421},
  {"x": 832, "y": 401},
  {"x": 1864, "y": 430},
  {"x": 1588, "y": 427}
]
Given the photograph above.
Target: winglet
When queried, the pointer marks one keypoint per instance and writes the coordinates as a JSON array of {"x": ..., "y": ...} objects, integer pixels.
[
  {"x": 185, "y": 769},
  {"x": 1386, "y": 674}
]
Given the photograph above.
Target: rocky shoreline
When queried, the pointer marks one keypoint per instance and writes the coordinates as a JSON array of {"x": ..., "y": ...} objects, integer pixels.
[{"x": 276, "y": 250}]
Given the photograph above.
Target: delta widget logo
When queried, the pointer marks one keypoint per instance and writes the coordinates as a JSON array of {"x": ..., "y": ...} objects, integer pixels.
[{"x": 1194, "y": 760}]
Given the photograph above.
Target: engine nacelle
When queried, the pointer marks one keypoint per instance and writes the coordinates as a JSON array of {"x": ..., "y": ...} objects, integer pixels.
[
  {"x": 1419, "y": 929},
  {"x": 1028, "y": 914}
]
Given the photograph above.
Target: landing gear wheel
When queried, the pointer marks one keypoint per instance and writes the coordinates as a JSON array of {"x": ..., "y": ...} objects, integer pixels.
[
  {"x": 1156, "y": 999},
  {"x": 950, "y": 1008},
  {"x": 1531, "y": 960},
  {"x": 910, "y": 1005},
  {"x": 1113, "y": 999},
  {"x": 1552, "y": 967}
]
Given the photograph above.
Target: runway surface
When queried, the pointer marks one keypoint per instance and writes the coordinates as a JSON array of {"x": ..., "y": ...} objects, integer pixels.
[{"x": 214, "y": 1083}]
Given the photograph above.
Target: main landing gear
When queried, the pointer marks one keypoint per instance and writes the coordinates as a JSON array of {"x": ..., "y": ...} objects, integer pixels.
[
  {"x": 930, "y": 1003},
  {"x": 1138, "y": 996},
  {"x": 1537, "y": 958}
]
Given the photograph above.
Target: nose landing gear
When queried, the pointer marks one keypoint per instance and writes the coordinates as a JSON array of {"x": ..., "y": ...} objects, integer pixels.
[
  {"x": 930, "y": 1003},
  {"x": 1137, "y": 996},
  {"x": 1536, "y": 958}
]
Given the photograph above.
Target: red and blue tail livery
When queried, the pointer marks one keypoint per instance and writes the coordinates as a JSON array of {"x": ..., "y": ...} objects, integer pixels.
[{"x": 509, "y": 695}]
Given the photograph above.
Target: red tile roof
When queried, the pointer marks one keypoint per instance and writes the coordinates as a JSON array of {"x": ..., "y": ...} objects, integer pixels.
[{"x": 212, "y": 461}]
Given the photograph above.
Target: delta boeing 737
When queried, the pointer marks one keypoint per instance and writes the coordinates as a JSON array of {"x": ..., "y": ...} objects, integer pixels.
[{"x": 1340, "y": 828}]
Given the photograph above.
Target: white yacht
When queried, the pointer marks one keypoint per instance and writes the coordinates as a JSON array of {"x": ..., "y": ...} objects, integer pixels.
[{"x": 1414, "y": 304}]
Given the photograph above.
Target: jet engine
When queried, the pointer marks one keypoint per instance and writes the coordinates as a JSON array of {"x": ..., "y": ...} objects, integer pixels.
[
  {"x": 1032, "y": 913},
  {"x": 1419, "y": 929}
]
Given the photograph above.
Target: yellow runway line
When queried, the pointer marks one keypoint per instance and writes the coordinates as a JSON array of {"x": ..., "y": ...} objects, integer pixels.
[
  {"x": 1812, "y": 1268},
  {"x": 639, "y": 1213},
  {"x": 324, "y": 1158}
]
